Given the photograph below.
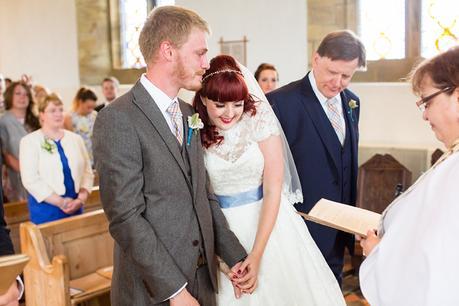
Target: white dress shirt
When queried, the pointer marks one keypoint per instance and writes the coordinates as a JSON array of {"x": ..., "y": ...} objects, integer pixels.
[
  {"x": 163, "y": 102},
  {"x": 161, "y": 99},
  {"x": 323, "y": 100}
]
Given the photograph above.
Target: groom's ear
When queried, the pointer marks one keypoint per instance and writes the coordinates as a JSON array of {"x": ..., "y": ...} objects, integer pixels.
[{"x": 166, "y": 49}]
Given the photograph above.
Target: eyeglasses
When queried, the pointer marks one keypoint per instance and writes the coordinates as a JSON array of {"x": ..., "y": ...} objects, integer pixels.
[{"x": 422, "y": 103}]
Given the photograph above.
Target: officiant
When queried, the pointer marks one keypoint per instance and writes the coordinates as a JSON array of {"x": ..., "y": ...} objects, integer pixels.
[{"x": 413, "y": 259}]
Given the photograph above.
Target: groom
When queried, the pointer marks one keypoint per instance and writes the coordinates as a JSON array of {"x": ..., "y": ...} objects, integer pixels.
[{"x": 167, "y": 225}]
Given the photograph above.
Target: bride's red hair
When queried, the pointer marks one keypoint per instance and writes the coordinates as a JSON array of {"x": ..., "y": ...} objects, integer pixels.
[{"x": 222, "y": 82}]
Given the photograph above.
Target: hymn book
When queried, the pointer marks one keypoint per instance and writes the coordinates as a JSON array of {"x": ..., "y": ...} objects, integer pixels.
[
  {"x": 10, "y": 267},
  {"x": 343, "y": 217}
]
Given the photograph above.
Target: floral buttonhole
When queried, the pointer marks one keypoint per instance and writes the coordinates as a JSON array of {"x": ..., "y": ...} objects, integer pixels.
[{"x": 194, "y": 125}]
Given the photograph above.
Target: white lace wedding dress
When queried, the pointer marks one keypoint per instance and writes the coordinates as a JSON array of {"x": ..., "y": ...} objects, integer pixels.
[{"x": 293, "y": 270}]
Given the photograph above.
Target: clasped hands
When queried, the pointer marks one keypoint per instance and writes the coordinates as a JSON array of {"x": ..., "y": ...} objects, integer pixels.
[
  {"x": 244, "y": 275},
  {"x": 69, "y": 205}
]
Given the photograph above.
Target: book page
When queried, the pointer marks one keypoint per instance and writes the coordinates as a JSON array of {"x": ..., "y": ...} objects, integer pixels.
[
  {"x": 10, "y": 267},
  {"x": 343, "y": 217}
]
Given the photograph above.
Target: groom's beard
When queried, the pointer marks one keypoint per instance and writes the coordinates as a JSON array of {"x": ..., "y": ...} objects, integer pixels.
[{"x": 190, "y": 80}]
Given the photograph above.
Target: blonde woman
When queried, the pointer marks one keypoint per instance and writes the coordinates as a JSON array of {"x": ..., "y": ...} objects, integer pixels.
[
  {"x": 55, "y": 166},
  {"x": 82, "y": 117}
]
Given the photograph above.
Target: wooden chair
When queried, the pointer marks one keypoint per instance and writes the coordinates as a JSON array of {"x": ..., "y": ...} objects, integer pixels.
[
  {"x": 75, "y": 252},
  {"x": 379, "y": 181},
  {"x": 435, "y": 156},
  {"x": 18, "y": 212}
]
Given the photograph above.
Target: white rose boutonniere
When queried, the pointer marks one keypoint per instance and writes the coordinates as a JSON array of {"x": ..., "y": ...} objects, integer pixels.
[
  {"x": 194, "y": 125},
  {"x": 352, "y": 105},
  {"x": 48, "y": 146}
]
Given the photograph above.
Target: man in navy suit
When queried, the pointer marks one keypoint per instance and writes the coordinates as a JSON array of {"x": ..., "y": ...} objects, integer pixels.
[{"x": 320, "y": 118}]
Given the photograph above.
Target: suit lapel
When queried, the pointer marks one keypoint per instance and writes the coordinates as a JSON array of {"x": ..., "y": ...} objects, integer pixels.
[
  {"x": 353, "y": 124},
  {"x": 320, "y": 120},
  {"x": 146, "y": 104},
  {"x": 191, "y": 149}
]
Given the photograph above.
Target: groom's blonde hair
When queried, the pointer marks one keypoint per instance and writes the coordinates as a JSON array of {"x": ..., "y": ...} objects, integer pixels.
[{"x": 168, "y": 23}]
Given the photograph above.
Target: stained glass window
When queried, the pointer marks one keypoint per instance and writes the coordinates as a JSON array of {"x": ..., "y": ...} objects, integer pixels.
[
  {"x": 382, "y": 28},
  {"x": 439, "y": 26},
  {"x": 132, "y": 17}
]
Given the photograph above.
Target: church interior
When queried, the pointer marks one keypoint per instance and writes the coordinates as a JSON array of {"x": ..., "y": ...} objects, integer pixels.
[{"x": 63, "y": 45}]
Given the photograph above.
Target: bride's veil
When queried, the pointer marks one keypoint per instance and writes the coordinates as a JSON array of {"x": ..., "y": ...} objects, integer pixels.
[{"x": 291, "y": 186}]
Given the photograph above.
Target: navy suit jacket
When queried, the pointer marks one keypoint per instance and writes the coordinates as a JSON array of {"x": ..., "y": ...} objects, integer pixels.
[{"x": 313, "y": 143}]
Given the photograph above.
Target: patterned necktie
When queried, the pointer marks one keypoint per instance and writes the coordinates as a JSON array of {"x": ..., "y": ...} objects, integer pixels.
[
  {"x": 176, "y": 116},
  {"x": 335, "y": 115}
]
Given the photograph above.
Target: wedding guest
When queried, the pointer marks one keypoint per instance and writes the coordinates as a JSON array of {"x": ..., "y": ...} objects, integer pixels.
[
  {"x": 320, "y": 118},
  {"x": 55, "y": 166},
  {"x": 40, "y": 92},
  {"x": 110, "y": 88},
  {"x": 267, "y": 77},
  {"x": 2, "y": 90},
  {"x": 14, "y": 293},
  {"x": 18, "y": 121},
  {"x": 412, "y": 260},
  {"x": 82, "y": 117},
  {"x": 8, "y": 82}
]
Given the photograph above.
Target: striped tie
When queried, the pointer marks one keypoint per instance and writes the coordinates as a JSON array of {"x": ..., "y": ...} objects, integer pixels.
[
  {"x": 176, "y": 116},
  {"x": 335, "y": 115}
]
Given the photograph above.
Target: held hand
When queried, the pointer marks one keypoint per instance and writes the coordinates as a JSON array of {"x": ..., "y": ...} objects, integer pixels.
[
  {"x": 10, "y": 298},
  {"x": 183, "y": 298},
  {"x": 71, "y": 205},
  {"x": 247, "y": 276},
  {"x": 232, "y": 274},
  {"x": 370, "y": 242}
]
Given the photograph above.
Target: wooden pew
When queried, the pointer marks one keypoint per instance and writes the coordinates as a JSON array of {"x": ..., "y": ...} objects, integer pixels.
[
  {"x": 18, "y": 212},
  {"x": 75, "y": 252}
]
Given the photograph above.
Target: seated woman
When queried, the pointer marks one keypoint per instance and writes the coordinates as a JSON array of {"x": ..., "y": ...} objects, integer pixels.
[
  {"x": 267, "y": 77},
  {"x": 413, "y": 259},
  {"x": 55, "y": 166},
  {"x": 16, "y": 122},
  {"x": 82, "y": 117}
]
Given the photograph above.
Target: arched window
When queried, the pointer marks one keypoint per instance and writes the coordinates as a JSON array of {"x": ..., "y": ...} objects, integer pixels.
[
  {"x": 132, "y": 16},
  {"x": 383, "y": 36}
]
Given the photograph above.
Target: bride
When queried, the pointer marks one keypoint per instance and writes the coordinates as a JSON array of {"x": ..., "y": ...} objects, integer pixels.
[{"x": 255, "y": 180}]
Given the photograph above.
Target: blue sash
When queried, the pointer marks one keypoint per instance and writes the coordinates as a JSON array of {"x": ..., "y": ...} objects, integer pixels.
[{"x": 239, "y": 199}]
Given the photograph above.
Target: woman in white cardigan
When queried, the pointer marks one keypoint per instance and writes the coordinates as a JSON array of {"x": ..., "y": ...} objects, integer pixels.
[{"x": 55, "y": 166}]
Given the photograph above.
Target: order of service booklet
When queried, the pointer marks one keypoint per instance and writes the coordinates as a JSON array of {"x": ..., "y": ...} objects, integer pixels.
[
  {"x": 10, "y": 267},
  {"x": 343, "y": 217}
]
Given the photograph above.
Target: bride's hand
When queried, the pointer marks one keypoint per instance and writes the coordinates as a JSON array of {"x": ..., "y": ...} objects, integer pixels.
[{"x": 247, "y": 275}]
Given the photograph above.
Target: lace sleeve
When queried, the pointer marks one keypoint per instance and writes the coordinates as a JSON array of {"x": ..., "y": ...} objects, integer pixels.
[{"x": 265, "y": 124}]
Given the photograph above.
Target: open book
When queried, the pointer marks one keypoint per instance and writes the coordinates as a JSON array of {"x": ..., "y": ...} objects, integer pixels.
[
  {"x": 10, "y": 267},
  {"x": 343, "y": 217}
]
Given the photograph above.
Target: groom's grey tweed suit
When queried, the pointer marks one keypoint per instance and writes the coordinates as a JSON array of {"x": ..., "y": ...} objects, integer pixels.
[{"x": 159, "y": 204}]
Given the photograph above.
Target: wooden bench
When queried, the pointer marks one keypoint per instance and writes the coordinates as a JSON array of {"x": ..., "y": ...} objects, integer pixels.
[
  {"x": 18, "y": 212},
  {"x": 75, "y": 252}
]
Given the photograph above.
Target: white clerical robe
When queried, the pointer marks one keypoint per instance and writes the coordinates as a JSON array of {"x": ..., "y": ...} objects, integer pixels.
[{"x": 417, "y": 261}]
